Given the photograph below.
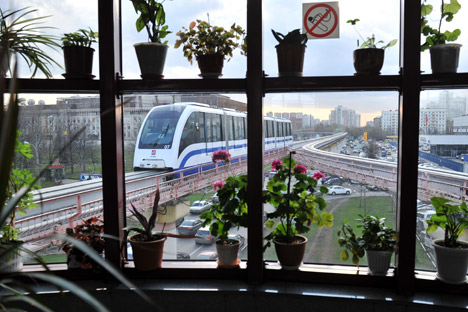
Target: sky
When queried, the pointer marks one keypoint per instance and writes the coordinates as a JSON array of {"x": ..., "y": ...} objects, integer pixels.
[{"x": 324, "y": 57}]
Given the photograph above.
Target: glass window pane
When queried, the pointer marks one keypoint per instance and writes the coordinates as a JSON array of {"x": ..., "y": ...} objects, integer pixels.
[
  {"x": 443, "y": 144},
  {"x": 360, "y": 167},
  {"x": 183, "y": 170}
]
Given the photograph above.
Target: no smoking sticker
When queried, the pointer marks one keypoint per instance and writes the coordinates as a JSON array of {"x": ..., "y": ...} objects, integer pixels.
[{"x": 321, "y": 20}]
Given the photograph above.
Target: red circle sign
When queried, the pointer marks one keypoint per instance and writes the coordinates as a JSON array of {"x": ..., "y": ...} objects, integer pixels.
[{"x": 329, "y": 10}]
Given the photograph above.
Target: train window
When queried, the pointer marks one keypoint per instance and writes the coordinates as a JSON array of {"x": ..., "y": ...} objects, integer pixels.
[
  {"x": 209, "y": 127},
  {"x": 191, "y": 132},
  {"x": 217, "y": 128},
  {"x": 240, "y": 130},
  {"x": 231, "y": 127}
]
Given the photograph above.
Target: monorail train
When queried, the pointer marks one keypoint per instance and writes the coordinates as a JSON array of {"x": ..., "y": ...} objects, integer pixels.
[{"x": 184, "y": 135}]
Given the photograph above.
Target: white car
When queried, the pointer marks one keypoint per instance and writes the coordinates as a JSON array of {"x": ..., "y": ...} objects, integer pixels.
[
  {"x": 337, "y": 190},
  {"x": 199, "y": 206}
]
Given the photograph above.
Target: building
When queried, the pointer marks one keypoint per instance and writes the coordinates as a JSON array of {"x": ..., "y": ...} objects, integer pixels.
[
  {"x": 460, "y": 124},
  {"x": 345, "y": 117},
  {"x": 432, "y": 121},
  {"x": 389, "y": 122}
]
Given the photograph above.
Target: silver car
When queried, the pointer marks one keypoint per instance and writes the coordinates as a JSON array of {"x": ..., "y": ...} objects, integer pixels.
[
  {"x": 336, "y": 190},
  {"x": 199, "y": 206},
  {"x": 203, "y": 236}
]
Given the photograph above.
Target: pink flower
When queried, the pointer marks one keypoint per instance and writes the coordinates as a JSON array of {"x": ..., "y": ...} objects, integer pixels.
[
  {"x": 276, "y": 163},
  {"x": 300, "y": 169},
  {"x": 218, "y": 185},
  {"x": 221, "y": 155},
  {"x": 318, "y": 176}
]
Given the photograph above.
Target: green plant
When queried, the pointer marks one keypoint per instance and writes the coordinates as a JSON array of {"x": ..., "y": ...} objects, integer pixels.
[
  {"x": 293, "y": 37},
  {"x": 80, "y": 38},
  {"x": 23, "y": 35},
  {"x": 296, "y": 206},
  {"x": 434, "y": 36},
  {"x": 375, "y": 235},
  {"x": 370, "y": 43},
  {"x": 453, "y": 219},
  {"x": 202, "y": 38},
  {"x": 147, "y": 225},
  {"x": 152, "y": 17},
  {"x": 231, "y": 210}
]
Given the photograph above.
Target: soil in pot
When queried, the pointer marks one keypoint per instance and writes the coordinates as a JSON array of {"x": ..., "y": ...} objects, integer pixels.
[
  {"x": 452, "y": 263},
  {"x": 147, "y": 256},
  {"x": 290, "y": 254},
  {"x": 227, "y": 253}
]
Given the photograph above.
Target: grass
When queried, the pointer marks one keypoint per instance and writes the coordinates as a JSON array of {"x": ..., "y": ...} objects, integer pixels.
[
  {"x": 200, "y": 196},
  {"x": 56, "y": 258}
]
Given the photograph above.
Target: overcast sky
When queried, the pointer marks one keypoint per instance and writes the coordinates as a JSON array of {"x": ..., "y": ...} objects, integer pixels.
[{"x": 324, "y": 57}]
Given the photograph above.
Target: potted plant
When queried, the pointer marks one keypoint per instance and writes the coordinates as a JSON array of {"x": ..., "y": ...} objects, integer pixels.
[
  {"x": 23, "y": 35},
  {"x": 290, "y": 52},
  {"x": 229, "y": 212},
  {"x": 297, "y": 206},
  {"x": 10, "y": 243},
  {"x": 147, "y": 246},
  {"x": 377, "y": 241},
  {"x": 368, "y": 59},
  {"x": 90, "y": 232},
  {"x": 444, "y": 56},
  {"x": 451, "y": 252},
  {"x": 151, "y": 55},
  {"x": 210, "y": 45},
  {"x": 78, "y": 54}
]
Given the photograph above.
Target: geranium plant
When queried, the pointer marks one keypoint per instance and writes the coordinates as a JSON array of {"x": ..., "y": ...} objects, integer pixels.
[
  {"x": 293, "y": 195},
  {"x": 231, "y": 211},
  {"x": 201, "y": 38}
]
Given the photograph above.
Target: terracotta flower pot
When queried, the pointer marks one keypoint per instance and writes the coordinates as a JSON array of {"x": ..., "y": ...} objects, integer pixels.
[
  {"x": 290, "y": 255},
  {"x": 147, "y": 256}
]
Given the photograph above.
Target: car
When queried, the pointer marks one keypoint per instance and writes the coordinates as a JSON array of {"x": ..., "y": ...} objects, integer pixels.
[
  {"x": 199, "y": 206},
  {"x": 183, "y": 256},
  {"x": 372, "y": 187},
  {"x": 271, "y": 174},
  {"x": 333, "y": 181},
  {"x": 204, "y": 237},
  {"x": 214, "y": 199},
  {"x": 189, "y": 227},
  {"x": 337, "y": 190},
  {"x": 239, "y": 237},
  {"x": 207, "y": 255}
]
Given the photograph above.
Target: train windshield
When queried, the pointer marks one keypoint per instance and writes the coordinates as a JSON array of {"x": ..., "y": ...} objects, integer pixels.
[{"x": 158, "y": 130}]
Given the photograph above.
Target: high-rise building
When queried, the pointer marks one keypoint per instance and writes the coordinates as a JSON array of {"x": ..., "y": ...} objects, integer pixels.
[
  {"x": 390, "y": 122},
  {"x": 345, "y": 117},
  {"x": 432, "y": 121}
]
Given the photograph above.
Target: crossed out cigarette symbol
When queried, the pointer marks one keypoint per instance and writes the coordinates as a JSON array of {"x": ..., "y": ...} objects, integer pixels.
[{"x": 318, "y": 19}]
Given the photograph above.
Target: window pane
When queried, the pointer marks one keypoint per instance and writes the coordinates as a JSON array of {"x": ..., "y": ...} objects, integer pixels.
[
  {"x": 183, "y": 170},
  {"x": 360, "y": 168},
  {"x": 64, "y": 137},
  {"x": 328, "y": 57},
  {"x": 443, "y": 144}
]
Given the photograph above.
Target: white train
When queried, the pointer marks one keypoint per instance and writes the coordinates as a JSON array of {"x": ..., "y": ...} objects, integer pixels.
[{"x": 184, "y": 135}]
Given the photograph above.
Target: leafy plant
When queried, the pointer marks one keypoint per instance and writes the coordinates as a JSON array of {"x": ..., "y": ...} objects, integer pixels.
[
  {"x": 147, "y": 225},
  {"x": 152, "y": 17},
  {"x": 370, "y": 43},
  {"x": 23, "y": 35},
  {"x": 80, "y": 38},
  {"x": 375, "y": 236},
  {"x": 231, "y": 210},
  {"x": 202, "y": 38},
  {"x": 293, "y": 37},
  {"x": 296, "y": 206},
  {"x": 453, "y": 219},
  {"x": 434, "y": 36}
]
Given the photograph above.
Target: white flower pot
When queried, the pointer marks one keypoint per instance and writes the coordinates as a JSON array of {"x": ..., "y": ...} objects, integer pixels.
[
  {"x": 227, "y": 253},
  {"x": 378, "y": 261},
  {"x": 452, "y": 263}
]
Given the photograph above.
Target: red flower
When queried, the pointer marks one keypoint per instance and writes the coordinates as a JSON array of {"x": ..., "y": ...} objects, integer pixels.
[
  {"x": 300, "y": 169},
  {"x": 318, "y": 176},
  {"x": 192, "y": 25},
  {"x": 276, "y": 163},
  {"x": 221, "y": 155},
  {"x": 218, "y": 185}
]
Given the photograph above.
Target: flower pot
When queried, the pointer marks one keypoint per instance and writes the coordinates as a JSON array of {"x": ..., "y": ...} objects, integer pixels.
[
  {"x": 147, "y": 256},
  {"x": 290, "y": 255},
  {"x": 227, "y": 251},
  {"x": 290, "y": 59},
  {"x": 78, "y": 62},
  {"x": 211, "y": 65},
  {"x": 378, "y": 261},
  {"x": 368, "y": 61},
  {"x": 10, "y": 258},
  {"x": 444, "y": 58},
  {"x": 151, "y": 58},
  {"x": 452, "y": 263}
]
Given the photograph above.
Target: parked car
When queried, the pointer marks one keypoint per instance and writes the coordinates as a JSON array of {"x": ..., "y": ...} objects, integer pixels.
[
  {"x": 372, "y": 187},
  {"x": 334, "y": 181},
  {"x": 183, "y": 256},
  {"x": 214, "y": 199},
  {"x": 189, "y": 227},
  {"x": 199, "y": 206},
  {"x": 271, "y": 174},
  {"x": 207, "y": 255},
  {"x": 337, "y": 190},
  {"x": 203, "y": 236},
  {"x": 239, "y": 237}
]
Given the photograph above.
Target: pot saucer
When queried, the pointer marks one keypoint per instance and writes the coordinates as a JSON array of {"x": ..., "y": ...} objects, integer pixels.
[
  {"x": 210, "y": 75},
  {"x": 236, "y": 265}
]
